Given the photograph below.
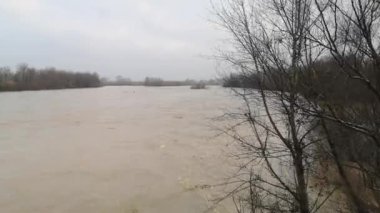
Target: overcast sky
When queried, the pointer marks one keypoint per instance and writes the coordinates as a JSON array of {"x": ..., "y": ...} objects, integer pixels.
[{"x": 133, "y": 38}]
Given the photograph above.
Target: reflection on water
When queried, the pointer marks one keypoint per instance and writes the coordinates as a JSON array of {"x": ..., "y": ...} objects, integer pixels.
[{"x": 111, "y": 149}]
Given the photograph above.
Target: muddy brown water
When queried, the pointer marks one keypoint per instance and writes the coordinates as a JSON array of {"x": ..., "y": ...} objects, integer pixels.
[{"x": 111, "y": 149}]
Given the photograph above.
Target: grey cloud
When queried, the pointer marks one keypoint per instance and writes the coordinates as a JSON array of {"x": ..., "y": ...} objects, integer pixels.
[{"x": 116, "y": 37}]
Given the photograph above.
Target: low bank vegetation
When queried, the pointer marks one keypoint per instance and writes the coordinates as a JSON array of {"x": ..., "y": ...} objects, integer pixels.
[
  {"x": 199, "y": 85},
  {"x": 158, "y": 82}
]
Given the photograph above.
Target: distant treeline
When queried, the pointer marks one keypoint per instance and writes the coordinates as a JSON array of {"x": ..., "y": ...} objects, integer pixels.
[
  {"x": 326, "y": 84},
  {"x": 235, "y": 80},
  {"x": 155, "y": 82},
  {"x": 27, "y": 78},
  {"x": 321, "y": 78}
]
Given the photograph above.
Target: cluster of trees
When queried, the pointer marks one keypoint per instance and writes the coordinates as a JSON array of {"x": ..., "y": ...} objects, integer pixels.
[
  {"x": 309, "y": 73},
  {"x": 27, "y": 78}
]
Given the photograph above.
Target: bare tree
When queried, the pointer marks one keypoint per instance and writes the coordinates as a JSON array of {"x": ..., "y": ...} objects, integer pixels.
[
  {"x": 348, "y": 31},
  {"x": 269, "y": 39},
  {"x": 298, "y": 117}
]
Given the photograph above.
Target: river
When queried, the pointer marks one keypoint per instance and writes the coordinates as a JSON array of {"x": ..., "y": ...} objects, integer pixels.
[{"x": 111, "y": 149}]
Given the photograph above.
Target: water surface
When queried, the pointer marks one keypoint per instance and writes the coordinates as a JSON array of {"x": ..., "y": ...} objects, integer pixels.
[{"x": 111, "y": 149}]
